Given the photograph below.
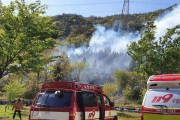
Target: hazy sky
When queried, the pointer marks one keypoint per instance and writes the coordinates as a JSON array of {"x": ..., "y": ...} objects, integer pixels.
[{"x": 100, "y": 7}]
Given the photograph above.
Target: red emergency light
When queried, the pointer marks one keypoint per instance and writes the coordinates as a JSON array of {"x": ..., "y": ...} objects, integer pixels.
[
  {"x": 70, "y": 85},
  {"x": 58, "y": 84},
  {"x": 165, "y": 77}
]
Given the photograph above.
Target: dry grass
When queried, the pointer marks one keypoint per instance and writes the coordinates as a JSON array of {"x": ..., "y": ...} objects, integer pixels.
[{"x": 128, "y": 116}]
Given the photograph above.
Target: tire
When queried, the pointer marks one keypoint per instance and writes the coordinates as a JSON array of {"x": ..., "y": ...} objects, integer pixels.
[{"x": 115, "y": 118}]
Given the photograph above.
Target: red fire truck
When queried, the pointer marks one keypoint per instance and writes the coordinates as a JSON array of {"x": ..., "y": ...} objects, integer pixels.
[{"x": 71, "y": 101}]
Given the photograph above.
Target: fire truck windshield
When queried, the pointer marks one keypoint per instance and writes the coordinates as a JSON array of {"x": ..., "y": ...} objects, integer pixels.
[{"x": 52, "y": 99}]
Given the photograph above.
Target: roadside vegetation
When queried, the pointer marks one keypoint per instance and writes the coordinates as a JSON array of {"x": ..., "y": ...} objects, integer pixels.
[
  {"x": 128, "y": 116},
  {"x": 8, "y": 114}
]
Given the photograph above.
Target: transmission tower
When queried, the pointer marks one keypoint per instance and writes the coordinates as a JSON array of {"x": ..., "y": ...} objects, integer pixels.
[
  {"x": 125, "y": 9},
  {"x": 125, "y": 13}
]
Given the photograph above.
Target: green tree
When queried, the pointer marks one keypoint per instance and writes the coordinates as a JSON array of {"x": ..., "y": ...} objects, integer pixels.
[
  {"x": 132, "y": 65},
  {"x": 128, "y": 92},
  {"x": 122, "y": 78},
  {"x": 24, "y": 34},
  {"x": 157, "y": 56},
  {"x": 110, "y": 89},
  {"x": 31, "y": 85},
  {"x": 78, "y": 70},
  {"x": 62, "y": 68},
  {"x": 14, "y": 89},
  {"x": 130, "y": 84}
]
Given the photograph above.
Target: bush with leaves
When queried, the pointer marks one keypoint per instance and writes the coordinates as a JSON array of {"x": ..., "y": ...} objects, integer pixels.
[
  {"x": 32, "y": 86},
  {"x": 130, "y": 84},
  {"x": 110, "y": 89},
  {"x": 62, "y": 68},
  {"x": 14, "y": 89},
  {"x": 78, "y": 70}
]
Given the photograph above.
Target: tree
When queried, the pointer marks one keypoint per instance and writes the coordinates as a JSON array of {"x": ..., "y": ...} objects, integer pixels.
[
  {"x": 14, "y": 88},
  {"x": 62, "y": 68},
  {"x": 122, "y": 78},
  {"x": 157, "y": 56},
  {"x": 130, "y": 84},
  {"x": 110, "y": 89},
  {"x": 24, "y": 35},
  {"x": 78, "y": 70},
  {"x": 132, "y": 65},
  {"x": 32, "y": 86}
]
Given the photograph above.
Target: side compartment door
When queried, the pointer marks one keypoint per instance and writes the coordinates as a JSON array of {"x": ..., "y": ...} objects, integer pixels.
[
  {"x": 90, "y": 106},
  {"x": 110, "y": 112}
]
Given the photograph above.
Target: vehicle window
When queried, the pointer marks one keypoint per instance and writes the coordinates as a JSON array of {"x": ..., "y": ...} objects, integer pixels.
[
  {"x": 162, "y": 98},
  {"x": 89, "y": 99},
  {"x": 106, "y": 101},
  {"x": 99, "y": 100},
  {"x": 53, "y": 99},
  {"x": 79, "y": 99}
]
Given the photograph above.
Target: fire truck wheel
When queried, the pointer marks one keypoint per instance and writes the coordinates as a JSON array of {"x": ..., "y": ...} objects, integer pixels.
[{"x": 115, "y": 118}]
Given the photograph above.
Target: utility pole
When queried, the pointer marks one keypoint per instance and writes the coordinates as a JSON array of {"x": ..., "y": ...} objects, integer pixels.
[{"x": 125, "y": 13}]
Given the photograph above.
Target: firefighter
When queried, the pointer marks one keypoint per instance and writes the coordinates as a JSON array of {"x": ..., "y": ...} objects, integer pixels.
[{"x": 18, "y": 106}]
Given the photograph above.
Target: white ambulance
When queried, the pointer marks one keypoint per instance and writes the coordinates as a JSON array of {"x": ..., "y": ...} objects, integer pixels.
[{"x": 162, "y": 99}]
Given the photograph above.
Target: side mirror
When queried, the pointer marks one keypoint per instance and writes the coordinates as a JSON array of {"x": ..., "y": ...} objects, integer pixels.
[{"x": 112, "y": 104}]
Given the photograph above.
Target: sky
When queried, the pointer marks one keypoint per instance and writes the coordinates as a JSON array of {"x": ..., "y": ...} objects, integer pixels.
[{"x": 100, "y": 8}]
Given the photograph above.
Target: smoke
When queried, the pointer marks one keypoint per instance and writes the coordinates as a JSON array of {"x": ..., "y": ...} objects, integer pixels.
[
  {"x": 107, "y": 49},
  {"x": 104, "y": 39},
  {"x": 105, "y": 54},
  {"x": 168, "y": 20}
]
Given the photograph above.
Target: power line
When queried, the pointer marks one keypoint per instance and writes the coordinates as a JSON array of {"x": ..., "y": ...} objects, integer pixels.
[
  {"x": 115, "y": 2},
  {"x": 107, "y": 11},
  {"x": 84, "y": 4},
  {"x": 150, "y": 3}
]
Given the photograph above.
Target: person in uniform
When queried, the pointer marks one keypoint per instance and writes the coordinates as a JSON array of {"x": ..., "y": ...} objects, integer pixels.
[{"x": 18, "y": 106}]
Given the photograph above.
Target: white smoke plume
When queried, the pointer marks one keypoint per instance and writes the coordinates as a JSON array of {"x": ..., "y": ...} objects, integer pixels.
[
  {"x": 168, "y": 20},
  {"x": 103, "y": 39},
  {"x": 107, "y": 49}
]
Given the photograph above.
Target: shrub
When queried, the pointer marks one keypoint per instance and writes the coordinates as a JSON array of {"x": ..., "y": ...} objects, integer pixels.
[
  {"x": 110, "y": 89},
  {"x": 14, "y": 89}
]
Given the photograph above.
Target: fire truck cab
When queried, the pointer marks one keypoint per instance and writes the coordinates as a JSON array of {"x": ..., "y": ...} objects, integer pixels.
[
  {"x": 162, "y": 99},
  {"x": 71, "y": 101}
]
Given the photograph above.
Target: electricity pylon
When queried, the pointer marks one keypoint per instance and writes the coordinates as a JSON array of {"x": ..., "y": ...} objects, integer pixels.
[
  {"x": 125, "y": 13},
  {"x": 125, "y": 9}
]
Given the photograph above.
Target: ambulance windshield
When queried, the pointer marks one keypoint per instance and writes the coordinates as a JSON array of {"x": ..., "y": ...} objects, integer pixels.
[
  {"x": 158, "y": 98},
  {"x": 52, "y": 99}
]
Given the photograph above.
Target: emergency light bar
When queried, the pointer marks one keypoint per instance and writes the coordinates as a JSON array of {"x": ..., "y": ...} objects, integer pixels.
[
  {"x": 70, "y": 85},
  {"x": 166, "y": 80},
  {"x": 67, "y": 85},
  {"x": 165, "y": 77}
]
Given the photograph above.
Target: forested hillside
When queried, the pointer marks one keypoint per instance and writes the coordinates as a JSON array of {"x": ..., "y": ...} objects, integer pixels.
[{"x": 78, "y": 29}]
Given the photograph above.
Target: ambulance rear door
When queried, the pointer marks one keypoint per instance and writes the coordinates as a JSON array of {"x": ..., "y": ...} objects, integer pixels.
[{"x": 162, "y": 104}]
